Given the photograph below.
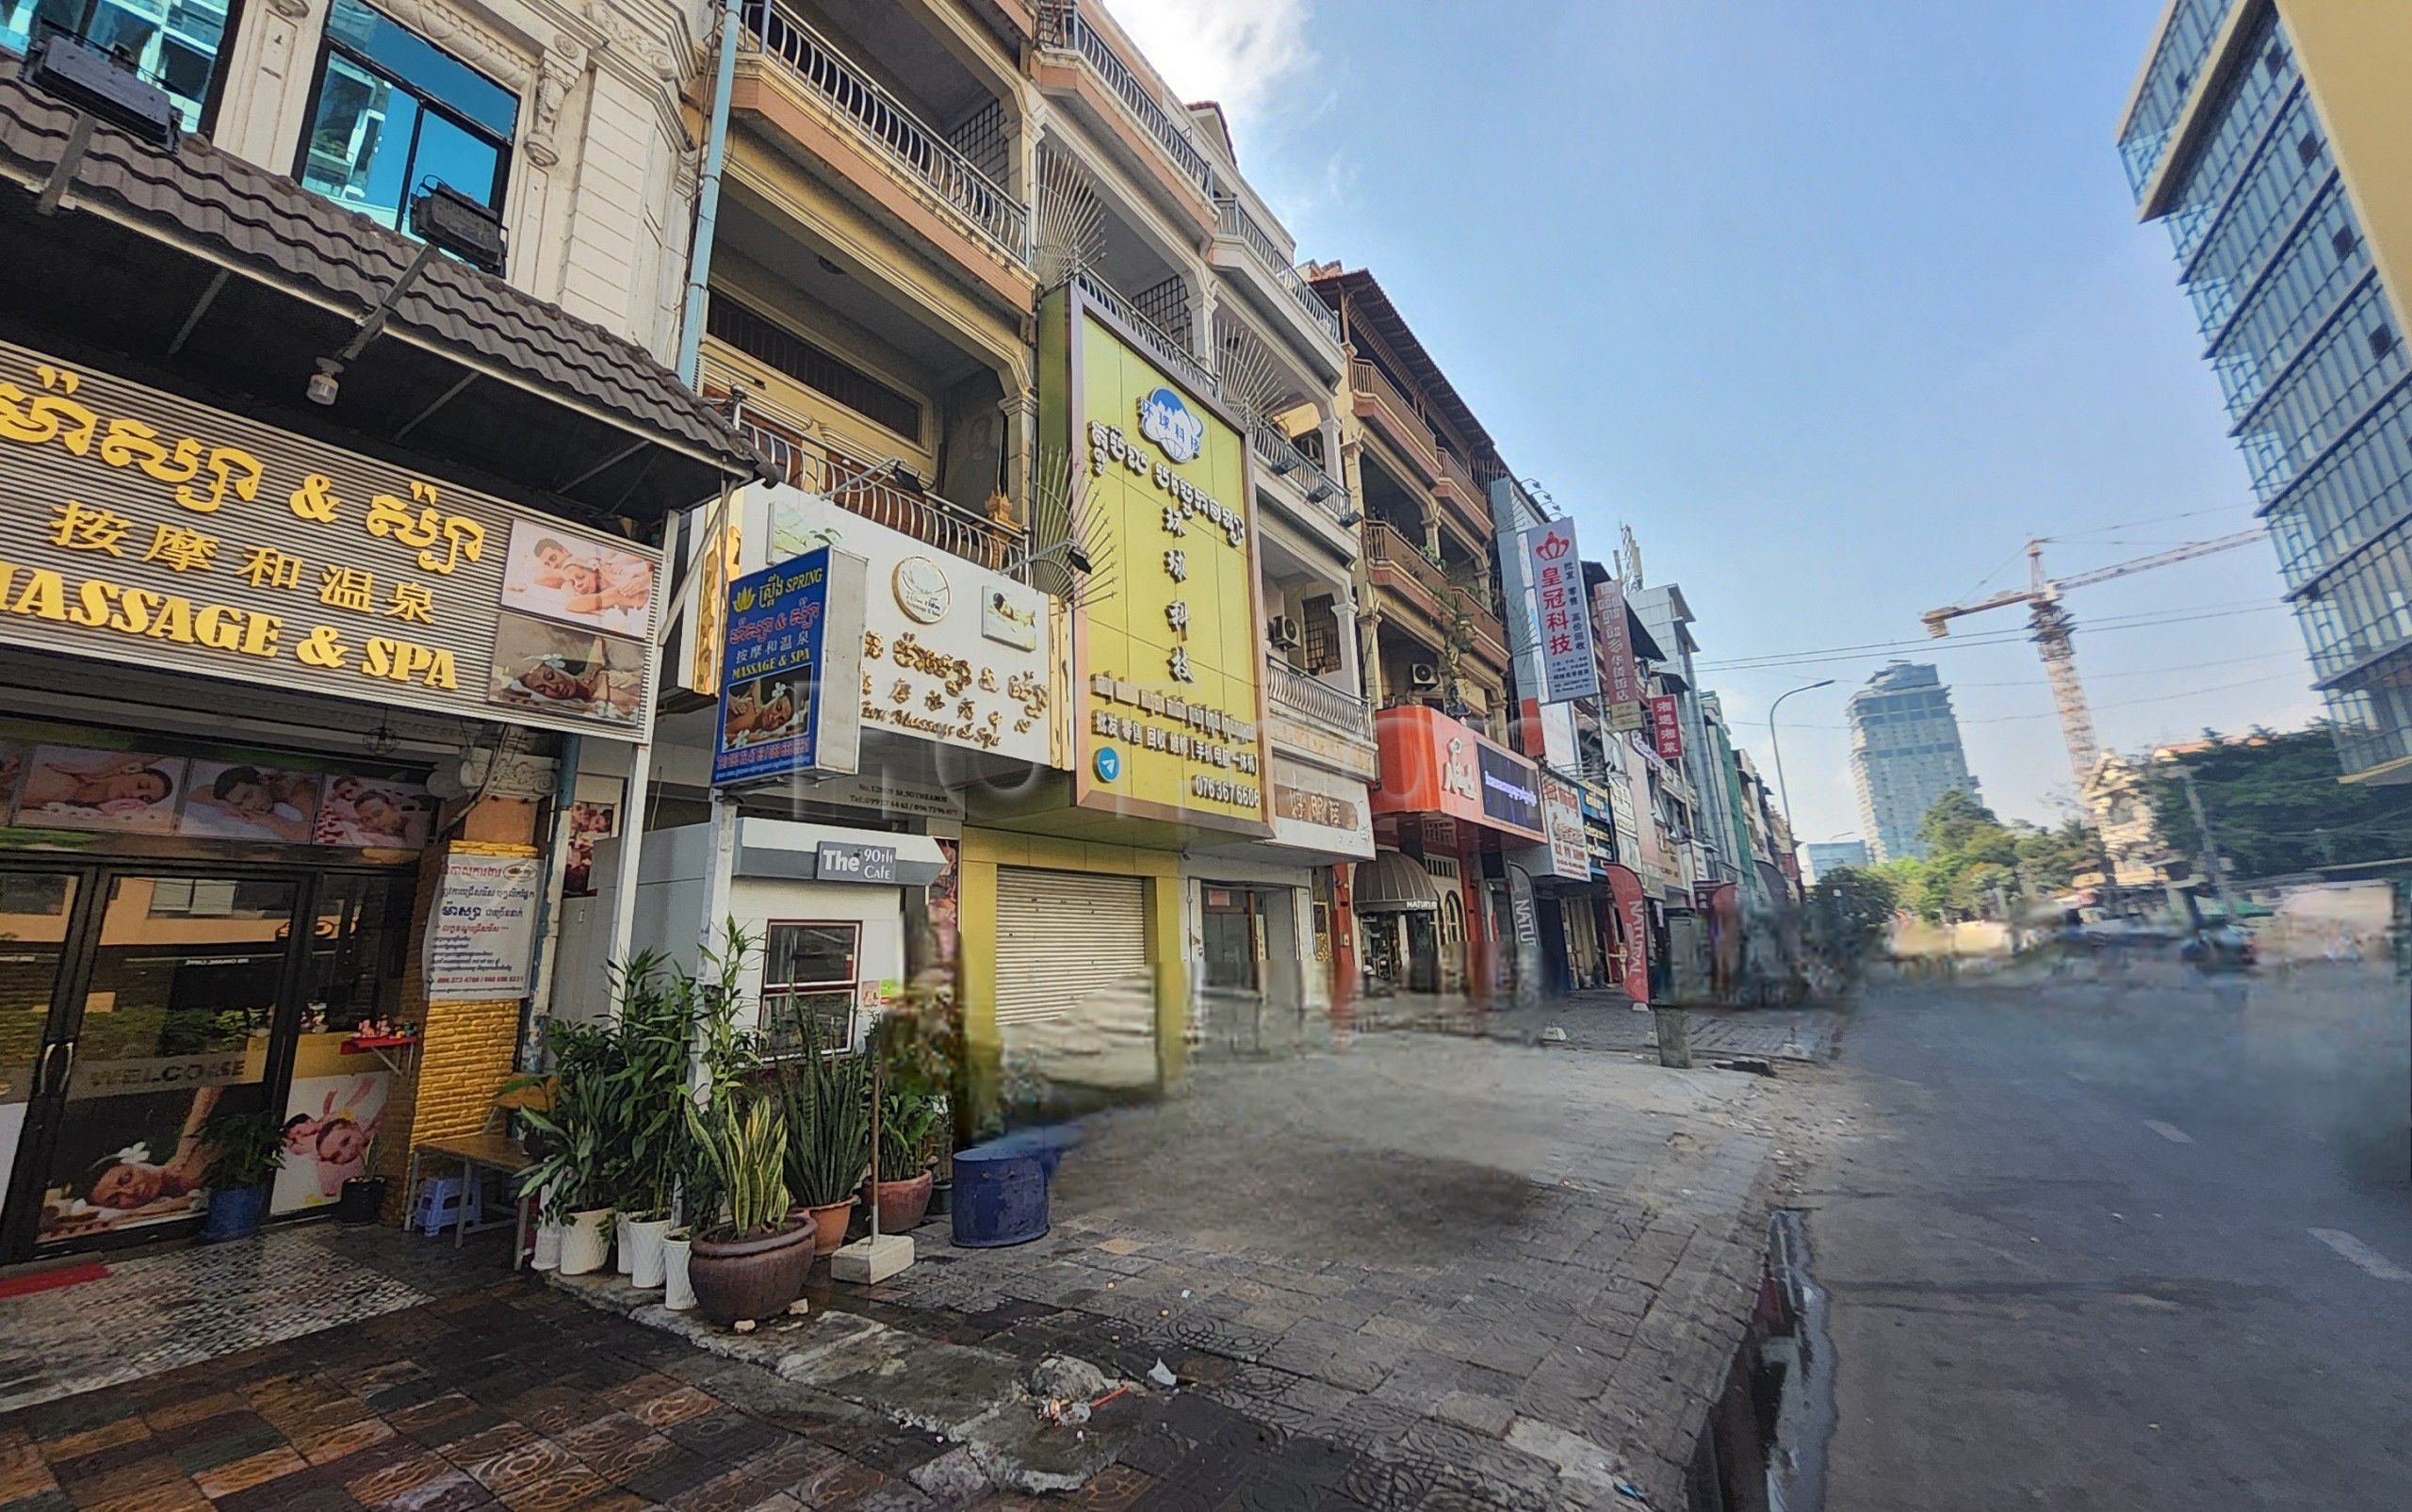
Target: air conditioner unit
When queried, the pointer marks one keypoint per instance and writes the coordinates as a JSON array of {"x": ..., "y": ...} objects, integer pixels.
[
  {"x": 1424, "y": 675},
  {"x": 1283, "y": 632}
]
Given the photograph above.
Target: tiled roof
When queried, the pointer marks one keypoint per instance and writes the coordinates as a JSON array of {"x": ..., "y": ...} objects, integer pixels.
[
  {"x": 217, "y": 205},
  {"x": 1373, "y": 302}
]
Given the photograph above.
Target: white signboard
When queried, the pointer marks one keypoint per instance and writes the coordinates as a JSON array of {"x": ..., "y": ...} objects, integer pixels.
[
  {"x": 951, "y": 652},
  {"x": 1553, "y": 565},
  {"x": 478, "y": 939},
  {"x": 1562, "y": 817}
]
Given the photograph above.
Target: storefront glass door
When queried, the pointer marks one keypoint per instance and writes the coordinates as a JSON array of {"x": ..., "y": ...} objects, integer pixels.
[
  {"x": 36, "y": 910},
  {"x": 173, "y": 1021},
  {"x": 1231, "y": 934}
]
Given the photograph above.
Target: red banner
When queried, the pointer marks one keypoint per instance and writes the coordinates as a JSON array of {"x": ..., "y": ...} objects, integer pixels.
[
  {"x": 1632, "y": 914},
  {"x": 1666, "y": 727}
]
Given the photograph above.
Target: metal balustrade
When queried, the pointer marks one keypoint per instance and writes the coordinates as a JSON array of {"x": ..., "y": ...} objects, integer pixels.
[
  {"x": 920, "y": 149},
  {"x": 873, "y": 491},
  {"x": 1317, "y": 702},
  {"x": 1061, "y": 25},
  {"x": 1232, "y": 218},
  {"x": 1281, "y": 455},
  {"x": 1170, "y": 350}
]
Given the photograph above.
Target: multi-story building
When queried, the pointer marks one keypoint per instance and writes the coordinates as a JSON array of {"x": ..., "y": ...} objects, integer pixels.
[
  {"x": 1905, "y": 752},
  {"x": 2267, "y": 138},
  {"x": 1826, "y": 857},
  {"x": 1454, "y": 792},
  {"x": 334, "y": 564}
]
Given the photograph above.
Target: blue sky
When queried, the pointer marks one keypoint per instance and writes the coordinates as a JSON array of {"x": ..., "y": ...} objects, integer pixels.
[{"x": 1835, "y": 302}]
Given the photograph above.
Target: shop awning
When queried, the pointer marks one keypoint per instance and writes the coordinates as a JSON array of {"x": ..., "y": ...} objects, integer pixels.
[
  {"x": 1395, "y": 883},
  {"x": 194, "y": 271}
]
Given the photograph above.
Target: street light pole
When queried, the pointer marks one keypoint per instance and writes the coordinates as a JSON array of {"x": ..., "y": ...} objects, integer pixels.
[{"x": 1783, "y": 790}]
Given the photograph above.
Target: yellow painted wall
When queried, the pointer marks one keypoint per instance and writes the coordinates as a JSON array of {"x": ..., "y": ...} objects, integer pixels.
[
  {"x": 984, "y": 851},
  {"x": 2357, "y": 56}
]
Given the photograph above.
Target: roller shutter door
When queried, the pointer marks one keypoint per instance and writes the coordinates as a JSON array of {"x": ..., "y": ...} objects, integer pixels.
[{"x": 1064, "y": 937}]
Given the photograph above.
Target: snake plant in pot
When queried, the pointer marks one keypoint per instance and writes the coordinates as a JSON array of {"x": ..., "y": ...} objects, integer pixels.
[
  {"x": 826, "y": 1092},
  {"x": 752, "y": 1263}
]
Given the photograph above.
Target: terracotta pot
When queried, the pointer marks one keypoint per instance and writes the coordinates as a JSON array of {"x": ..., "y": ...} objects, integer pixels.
[
  {"x": 829, "y": 1221},
  {"x": 737, "y": 1280},
  {"x": 903, "y": 1204}
]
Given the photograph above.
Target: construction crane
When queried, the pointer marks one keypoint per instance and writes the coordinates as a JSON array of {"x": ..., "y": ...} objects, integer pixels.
[{"x": 2054, "y": 629}]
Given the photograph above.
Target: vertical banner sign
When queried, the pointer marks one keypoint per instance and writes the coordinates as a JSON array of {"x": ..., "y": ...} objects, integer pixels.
[
  {"x": 1633, "y": 918},
  {"x": 483, "y": 927},
  {"x": 1553, "y": 565},
  {"x": 1622, "y": 690},
  {"x": 1562, "y": 813},
  {"x": 789, "y": 692},
  {"x": 1666, "y": 727}
]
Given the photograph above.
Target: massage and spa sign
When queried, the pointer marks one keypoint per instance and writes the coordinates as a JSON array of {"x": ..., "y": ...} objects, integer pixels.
[
  {"x": 480, "y": 931},
  {"x": 146, "y": 528},
  {"x": 790, "y": 671},
  {"x": 1168, "y": 654}
]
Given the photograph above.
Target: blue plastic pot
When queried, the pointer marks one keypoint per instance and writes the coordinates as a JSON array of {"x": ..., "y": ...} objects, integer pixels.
[
  {"x": 236, "y": 1213},
  {"x": 1001, "y": 1187}
]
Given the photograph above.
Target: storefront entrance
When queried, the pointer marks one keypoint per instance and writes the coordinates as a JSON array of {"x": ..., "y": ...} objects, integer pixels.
[
  {"x": 138, "y": 999},
  {"x": 1235, "y": 934}
]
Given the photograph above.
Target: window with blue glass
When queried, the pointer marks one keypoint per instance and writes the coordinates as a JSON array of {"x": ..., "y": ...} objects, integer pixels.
[
  {"x": 393, "y": 113},
  {"x": 179, "y": 45}
]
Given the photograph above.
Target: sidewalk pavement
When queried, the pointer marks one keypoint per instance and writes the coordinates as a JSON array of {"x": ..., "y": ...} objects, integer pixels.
[{"x": 1426, "y": 1271}]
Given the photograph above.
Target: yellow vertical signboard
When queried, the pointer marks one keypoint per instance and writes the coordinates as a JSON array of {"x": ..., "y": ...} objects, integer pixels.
[{"x": 1169, "y": 661}]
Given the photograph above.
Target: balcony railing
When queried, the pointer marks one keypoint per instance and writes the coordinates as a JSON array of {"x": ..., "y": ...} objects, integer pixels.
[
  {"x": 1169, "y": 350},
  {"x": 1386, "y": 546},
  {"x": 1061, "y": 25},
  {"x": 1454, "y": 468},
  {"x": 909, "y": 144},
  {"x": 1317, "y": 702},
  {"x": 876, "y": 492},
  {"x": 1406, "y": 417},
  {"x": 1281, "y": 454},
  {"x": 1234, "y": 221}
]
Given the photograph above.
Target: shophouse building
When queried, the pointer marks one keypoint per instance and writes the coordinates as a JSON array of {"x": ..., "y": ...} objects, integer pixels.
[{"x": 331, "y": 589}]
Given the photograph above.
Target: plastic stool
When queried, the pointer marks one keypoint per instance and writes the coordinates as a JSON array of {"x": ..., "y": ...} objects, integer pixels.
[{"x": 440, "y": 1200}]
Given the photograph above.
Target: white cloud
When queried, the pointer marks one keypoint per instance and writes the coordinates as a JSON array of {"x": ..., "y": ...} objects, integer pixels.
[{"x": 1243, "y": 54}]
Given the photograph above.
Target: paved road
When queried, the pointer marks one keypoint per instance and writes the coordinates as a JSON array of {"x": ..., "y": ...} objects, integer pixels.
[{"x": 2137, "y": 1248}]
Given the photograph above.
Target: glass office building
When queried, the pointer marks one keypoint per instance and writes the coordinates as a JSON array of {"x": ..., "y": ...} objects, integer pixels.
[{"x": 2228, "y": 145}]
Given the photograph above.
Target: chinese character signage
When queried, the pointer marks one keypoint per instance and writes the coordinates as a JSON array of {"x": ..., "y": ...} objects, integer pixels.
[
  {"x": 1622, "y": 690},
  {"x": 1666, "y": 727},
  {"x": 1554, "y": 566},
  {"x": 789, "y": 673},
  {"x": 1168, "y": 652},
  {"x": 143, "y": 528}
]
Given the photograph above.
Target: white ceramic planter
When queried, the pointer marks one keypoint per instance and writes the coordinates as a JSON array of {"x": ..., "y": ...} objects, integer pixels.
[
  {"x": 678, "y": 1294},
  {"x": 548, "y": 1245},
  {"x": 642, "y": 1254},
  {"x": 620, "y": 1242},
  {"x": 587, "y": 1247}
]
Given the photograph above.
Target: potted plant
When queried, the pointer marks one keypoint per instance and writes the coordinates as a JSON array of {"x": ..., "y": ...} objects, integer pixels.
[
  {"x": 573, "y": 1143},
  {"x": 245, "y": 1150},
  {"x": 908, "y": 1122},
  {"x": 826, "y": 1093},
  {"x": 649, "y": 1095},
  {"x": 752, "y": 1262},
  {"x": 364, "y": 1196}
]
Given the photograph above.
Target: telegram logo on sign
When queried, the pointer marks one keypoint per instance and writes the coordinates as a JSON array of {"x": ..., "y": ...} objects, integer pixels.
[{"x": 1172, "y": 424}]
